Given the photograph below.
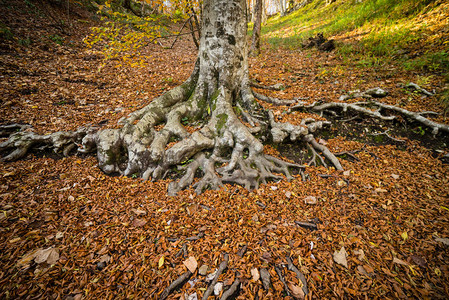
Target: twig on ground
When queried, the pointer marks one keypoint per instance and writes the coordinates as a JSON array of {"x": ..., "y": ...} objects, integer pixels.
[
  {"x": 300, "y": 276},
  {"x": 220, "y": 270},
  {"x": 175, "y": 284},
  {"x": 235, "y": 287},
  {"x": 281, "y": 278},
  {"x": 307, "y": 225}
]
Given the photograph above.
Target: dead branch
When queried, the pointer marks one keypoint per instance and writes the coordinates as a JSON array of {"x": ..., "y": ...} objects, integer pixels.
[
  {"x": 220, "y": 270},
  {"x": 175, "y": 284},
  {"x": 281, "y": 278},
  {"x": 235, "y": 287},
  {"x": 265, "y": 278},
  {"x": 300, "y": 276},
  {"x": 307, "y": 225}
]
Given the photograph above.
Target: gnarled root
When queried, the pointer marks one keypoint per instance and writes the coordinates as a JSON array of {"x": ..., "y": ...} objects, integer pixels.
[{"x": 379, "y": 113}]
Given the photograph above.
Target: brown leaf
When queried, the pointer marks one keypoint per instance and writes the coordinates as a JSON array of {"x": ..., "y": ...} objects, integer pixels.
[
  {"x": 49, "y": 255},
  {"x": 296, "y": 290},
  {"x": 310, "y": 200},
  {"x": 255, "y": 274},
  {"x": 139, "y": 222},
  {"x": 139, "y": 212},
  {"x": 191, "y": 264},
  {"x": 340, "y": 257}
]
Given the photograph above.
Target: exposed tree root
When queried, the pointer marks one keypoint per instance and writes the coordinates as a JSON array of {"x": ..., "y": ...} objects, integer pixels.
[
  {"x": 361, "y": 107},
  {"x": 274, "y": 87}
]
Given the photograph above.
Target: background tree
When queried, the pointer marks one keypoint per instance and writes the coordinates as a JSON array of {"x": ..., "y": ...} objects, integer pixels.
[{"x": 255, "y": 44}]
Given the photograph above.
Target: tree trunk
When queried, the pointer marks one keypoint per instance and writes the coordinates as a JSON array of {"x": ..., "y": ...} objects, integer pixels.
[
  {"x": 255, "y": 44},
  {"x": 282, "y": 5}
]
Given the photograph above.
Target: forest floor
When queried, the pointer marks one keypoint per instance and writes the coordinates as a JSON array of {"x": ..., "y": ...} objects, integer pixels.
[{"x": 382, "y": 225}]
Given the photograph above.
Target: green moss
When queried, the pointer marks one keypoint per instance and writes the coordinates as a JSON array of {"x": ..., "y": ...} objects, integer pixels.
[{"x": 221, "y": 121}]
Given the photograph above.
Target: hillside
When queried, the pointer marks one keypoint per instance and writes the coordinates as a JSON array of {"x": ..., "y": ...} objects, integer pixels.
[{"x": 377, "y": 230}]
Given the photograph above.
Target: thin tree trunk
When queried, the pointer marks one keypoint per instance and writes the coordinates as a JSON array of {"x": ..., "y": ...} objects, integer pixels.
[{"x": 255, "y": 45}]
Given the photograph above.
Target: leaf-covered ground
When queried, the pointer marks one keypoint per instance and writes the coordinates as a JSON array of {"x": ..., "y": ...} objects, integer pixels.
[{"x": 70, "y": 232}]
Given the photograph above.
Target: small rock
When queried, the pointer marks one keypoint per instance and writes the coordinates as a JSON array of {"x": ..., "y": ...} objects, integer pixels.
[
  {"x": 341, "y": 183},
  {"x": 377, "y": 92},
  {"x": 101, "y": 265},
  {"x": 203, "y": 270},
  {"x": 344, "y": 97},
  {"x": 218, "y": 288}
]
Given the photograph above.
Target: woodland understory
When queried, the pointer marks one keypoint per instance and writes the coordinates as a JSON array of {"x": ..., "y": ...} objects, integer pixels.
[{"x": 259, "y": 174}]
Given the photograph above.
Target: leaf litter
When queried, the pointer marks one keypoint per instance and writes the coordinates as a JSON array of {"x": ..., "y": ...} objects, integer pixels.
[{"x": 67, "y": 230}]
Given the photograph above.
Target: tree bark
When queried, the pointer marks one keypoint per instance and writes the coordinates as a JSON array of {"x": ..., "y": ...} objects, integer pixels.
[{"x": 255, "y": 44}]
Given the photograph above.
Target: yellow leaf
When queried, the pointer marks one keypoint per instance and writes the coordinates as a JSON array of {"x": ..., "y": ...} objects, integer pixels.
[
  {"x": 161, "y": 261},
  {"x": 404, "y": 235}
]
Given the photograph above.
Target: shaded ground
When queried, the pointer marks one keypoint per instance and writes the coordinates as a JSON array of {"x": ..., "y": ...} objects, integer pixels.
[{"x": 119, "y": 237}]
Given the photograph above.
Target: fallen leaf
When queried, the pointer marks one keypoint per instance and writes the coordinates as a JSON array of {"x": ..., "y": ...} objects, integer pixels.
[
  {"x": 360, "y": 253},
  {"x": 27, "y": 258},
  {"x": 419, "y": 261},
  {"x": 340, "y": 257},
  {"x": 161, "y": 261},
  {"x": 310, "y": 200},
  {"x": 218, "y": 288},
  {"x": 105, "y": 258},
  {"x": 296, "y": 290},
  {"x": 139, "y": 212},
  {"x": 362, "y": 270},
  {"x": 139, "y": 222},
  {"x": 395, "y": 176},
  {"x": 49, "y": 256},
  {"x": 191, "y": 264},
  {"x": 255, "y": 274},
  {"x": 400, "y": 261},
  {"x": 404, "y": 235}
]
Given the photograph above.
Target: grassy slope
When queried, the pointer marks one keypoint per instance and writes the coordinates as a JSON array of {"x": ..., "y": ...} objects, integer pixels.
[{"x": 414, "y": 31}]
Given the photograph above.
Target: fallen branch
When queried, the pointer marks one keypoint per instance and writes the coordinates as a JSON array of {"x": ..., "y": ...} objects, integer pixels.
[
  {"x": 265, "y": 278},
  {"x": 175, "y": 284},
  {"x": 235, "y": 287},
  {"x": 307, "y": 225},
  {"x": 220, "y": 270},
  {"x": 300, "y": 276},
  {"x": 281, "y": 278}
]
